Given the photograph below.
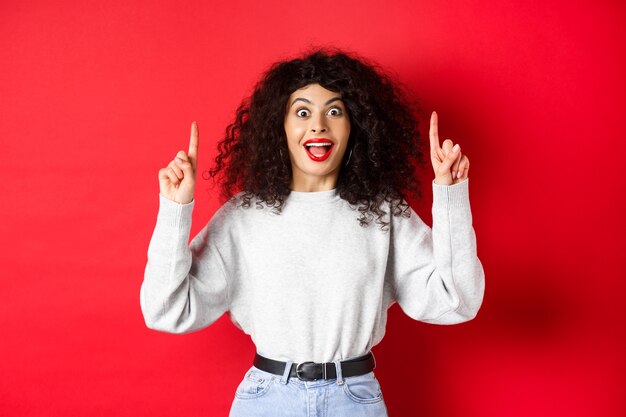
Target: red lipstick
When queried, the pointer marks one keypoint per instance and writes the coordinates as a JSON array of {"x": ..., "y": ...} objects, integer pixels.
[{"x": 315, "y": 146}]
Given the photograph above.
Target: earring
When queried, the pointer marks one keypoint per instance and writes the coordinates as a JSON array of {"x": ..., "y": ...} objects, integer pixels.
[{"x": 349, "y": 156}]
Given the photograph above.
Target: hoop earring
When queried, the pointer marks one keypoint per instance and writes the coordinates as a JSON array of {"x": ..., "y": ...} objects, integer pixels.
[{"x": 349, "y": 156}]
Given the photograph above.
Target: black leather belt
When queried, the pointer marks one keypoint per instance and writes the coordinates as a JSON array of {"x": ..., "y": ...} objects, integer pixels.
[{"x": 312, "y": 371}]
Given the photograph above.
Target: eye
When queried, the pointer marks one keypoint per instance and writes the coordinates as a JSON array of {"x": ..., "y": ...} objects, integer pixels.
[
  {"x": 302, "y": 112},
  {"x": 335, "y": 111}
]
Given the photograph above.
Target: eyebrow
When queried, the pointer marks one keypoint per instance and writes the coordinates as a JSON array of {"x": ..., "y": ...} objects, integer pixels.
[{"x": 310, "y": 102}]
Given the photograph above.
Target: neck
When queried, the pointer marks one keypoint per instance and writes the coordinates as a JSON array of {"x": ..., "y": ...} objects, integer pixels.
[{"x": 312, "y": 184}]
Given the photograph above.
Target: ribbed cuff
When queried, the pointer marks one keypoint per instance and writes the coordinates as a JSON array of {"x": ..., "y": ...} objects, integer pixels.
[
  {"x": 456, "y": 195},
  {"x": 173, "y": 214}
]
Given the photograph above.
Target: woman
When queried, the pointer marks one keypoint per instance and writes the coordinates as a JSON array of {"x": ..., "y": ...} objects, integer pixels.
[{"x": 316, "y": 240}]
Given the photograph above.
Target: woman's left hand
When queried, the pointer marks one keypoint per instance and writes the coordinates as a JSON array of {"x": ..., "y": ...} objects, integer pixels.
[{"x": 450, "y": 166}]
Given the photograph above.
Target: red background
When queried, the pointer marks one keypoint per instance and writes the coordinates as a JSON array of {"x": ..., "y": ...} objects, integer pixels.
[{"x": 96, "y": 96}]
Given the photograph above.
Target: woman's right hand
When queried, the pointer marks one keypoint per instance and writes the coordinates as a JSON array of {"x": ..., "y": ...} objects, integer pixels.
[{"x": 178, "y": 179}]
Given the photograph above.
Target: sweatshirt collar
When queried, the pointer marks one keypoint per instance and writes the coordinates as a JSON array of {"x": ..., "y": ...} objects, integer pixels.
[{"x": 314, "y": 196}]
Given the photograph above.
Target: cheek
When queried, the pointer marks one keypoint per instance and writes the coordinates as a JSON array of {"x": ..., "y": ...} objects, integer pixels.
[
  {"x": 293, "y": 132},
  {"x": 344, "y": 128}
]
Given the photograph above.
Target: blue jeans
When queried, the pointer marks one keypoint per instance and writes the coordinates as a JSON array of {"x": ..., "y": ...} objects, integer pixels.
[{"x": 261, "y": 393}]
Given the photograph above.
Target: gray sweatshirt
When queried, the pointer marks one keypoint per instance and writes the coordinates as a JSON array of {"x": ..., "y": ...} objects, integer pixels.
[{"x": 311, "y": 284}]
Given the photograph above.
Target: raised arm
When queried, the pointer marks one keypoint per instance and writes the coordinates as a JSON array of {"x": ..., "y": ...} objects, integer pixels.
[
  {"x": 436, "y": 273},
  {"x": 185, "y": 286}
]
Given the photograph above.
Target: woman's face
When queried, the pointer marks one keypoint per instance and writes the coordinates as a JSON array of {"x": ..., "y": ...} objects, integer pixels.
[{"x": 317, "y": 128}]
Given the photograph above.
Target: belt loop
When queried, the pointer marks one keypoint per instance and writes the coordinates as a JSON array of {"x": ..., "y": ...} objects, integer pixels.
[
  {"x": 339, "y": 374},
  {"x": 285, "y": 378}
]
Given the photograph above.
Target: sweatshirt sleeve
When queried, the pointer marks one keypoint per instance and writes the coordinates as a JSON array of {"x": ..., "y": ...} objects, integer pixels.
[
  {"x": 185, "y": 286},
  {"x": 436, "y": 272}
]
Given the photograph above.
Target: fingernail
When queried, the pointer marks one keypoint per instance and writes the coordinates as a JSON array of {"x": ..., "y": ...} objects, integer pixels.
[
  {"x": 178, "y": 159},
  {"x": 455, "y": 148}
]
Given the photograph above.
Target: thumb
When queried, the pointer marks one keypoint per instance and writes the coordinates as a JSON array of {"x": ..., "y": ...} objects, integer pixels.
[
  {"x": 450, "y": 159},
  {"x": 182, "y": 155}
]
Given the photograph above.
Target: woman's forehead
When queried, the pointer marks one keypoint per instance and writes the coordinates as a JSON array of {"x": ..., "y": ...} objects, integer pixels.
[{"x": 313, "y": 93}]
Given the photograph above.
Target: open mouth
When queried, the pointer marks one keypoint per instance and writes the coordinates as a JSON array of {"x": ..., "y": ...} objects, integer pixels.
[{"x": 318, "y": 149}]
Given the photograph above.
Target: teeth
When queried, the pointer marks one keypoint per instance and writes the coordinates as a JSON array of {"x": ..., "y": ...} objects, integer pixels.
[{"x": 317, "y": 144}]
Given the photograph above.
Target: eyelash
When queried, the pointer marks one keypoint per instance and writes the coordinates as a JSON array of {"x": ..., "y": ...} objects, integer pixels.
[{"x": 331, "y": 109}]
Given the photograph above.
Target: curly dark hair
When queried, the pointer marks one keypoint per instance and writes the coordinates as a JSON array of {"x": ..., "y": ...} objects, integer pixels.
[{"x": 384, "y": 138}]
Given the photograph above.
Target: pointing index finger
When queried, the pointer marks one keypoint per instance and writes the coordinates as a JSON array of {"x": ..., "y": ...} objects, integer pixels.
[
  {"x": 193, "y": 144},
  {"x": 434, "y": 132}
]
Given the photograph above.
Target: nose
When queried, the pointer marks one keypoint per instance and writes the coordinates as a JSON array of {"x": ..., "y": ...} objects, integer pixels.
[{"x": 318, "y": 124}]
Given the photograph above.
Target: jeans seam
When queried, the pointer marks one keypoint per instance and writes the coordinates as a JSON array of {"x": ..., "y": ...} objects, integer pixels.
[
  {"x": 244, "y": 396},
  {"x": 358, "y": 400}
]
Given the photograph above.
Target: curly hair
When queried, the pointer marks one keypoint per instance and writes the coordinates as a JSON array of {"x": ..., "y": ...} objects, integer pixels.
[{"x": 253, "y": 157}]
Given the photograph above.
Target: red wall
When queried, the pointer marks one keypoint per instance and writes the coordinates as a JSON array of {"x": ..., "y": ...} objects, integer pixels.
[{"x": 96, "y": 96}]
